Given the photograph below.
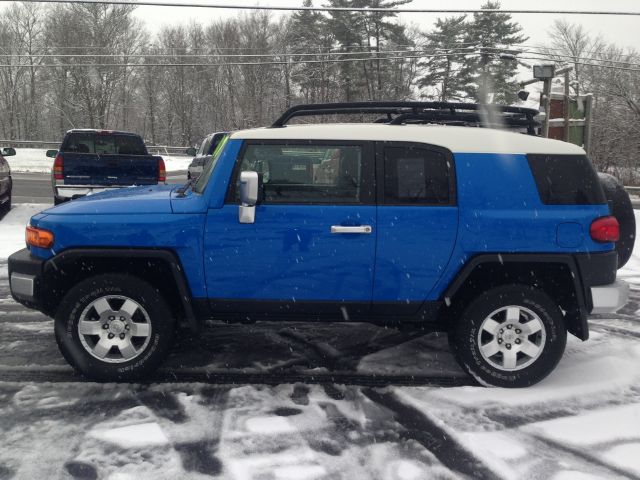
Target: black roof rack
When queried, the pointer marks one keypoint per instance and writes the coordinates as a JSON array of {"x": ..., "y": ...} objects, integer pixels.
[{"x": 446, "y": 113}]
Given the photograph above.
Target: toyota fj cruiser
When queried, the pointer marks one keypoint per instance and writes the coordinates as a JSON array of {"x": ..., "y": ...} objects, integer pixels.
[{"x": 506, "y": 241}]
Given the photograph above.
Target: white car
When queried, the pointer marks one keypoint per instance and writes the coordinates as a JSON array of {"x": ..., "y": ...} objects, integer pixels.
[{"x": 203, "y": 154}]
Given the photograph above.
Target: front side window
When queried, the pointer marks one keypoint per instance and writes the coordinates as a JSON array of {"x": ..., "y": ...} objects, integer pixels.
[
  {"x": 415, "y": 175},
  {"x": 306, "y": 173}
]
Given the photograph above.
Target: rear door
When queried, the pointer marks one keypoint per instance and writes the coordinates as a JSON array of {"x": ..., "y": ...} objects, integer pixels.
[
  {"x": 417, "y": 223},
  {"x": 109, "y": 159},
  {"x": 312, "y": 246}
]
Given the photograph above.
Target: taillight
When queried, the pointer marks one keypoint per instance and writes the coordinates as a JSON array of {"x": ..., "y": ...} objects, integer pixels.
[
  {"x": 37, "y": 237},
  {"x": 58, "y": 165},
  {"x": 605, "y": 229},
  {"x": 162, "y": 172}
]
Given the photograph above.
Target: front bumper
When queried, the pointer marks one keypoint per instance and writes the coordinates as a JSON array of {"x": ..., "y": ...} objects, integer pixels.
[
  {"x": 25, "y": 278},
  {"x": 610, "y": 298}
]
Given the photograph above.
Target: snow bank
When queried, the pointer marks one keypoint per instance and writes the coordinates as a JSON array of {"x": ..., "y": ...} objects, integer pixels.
[
  {"x": 12, "y": 227},
  {"x": 34, "y": 160}
]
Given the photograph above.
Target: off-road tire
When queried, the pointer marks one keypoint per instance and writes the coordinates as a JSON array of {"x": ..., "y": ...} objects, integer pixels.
[
  {"x": 622, "y": 209},
  {"x": 83, "y": 294},
  {"x": 465, "y": 345}
]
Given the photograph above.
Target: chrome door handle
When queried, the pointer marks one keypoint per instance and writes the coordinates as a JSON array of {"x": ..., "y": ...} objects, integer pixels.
[{"x": 360, "y": 229}]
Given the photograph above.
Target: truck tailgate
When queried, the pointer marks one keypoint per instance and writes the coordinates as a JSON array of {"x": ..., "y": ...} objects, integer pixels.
[{"x": 109, "y": 170}]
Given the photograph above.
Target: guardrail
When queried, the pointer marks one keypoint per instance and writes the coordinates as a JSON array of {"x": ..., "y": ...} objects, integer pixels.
[
  {"x": 632, "y": 190},
  {"x": 153, "y": 149}
]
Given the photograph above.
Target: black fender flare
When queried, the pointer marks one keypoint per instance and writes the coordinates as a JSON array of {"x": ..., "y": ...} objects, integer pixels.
[
  {"x": 55, "y": 265},
  {"x": 580, "y": 326}
]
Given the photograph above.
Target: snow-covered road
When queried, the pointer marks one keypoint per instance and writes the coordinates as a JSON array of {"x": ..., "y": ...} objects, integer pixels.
[{"x": 303, "y": 401}]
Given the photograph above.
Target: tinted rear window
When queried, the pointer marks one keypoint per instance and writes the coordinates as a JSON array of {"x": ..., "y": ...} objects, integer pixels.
[
  {"x": 416, "y": 176},
  {"x": 106, "y": 144},
  {"x": 566, "y": 180}
]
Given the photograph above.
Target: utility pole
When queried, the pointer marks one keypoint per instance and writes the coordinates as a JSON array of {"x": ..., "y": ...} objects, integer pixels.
[
  {"x": 546, "y": 97},
  {"x": 567, "y": 110}
]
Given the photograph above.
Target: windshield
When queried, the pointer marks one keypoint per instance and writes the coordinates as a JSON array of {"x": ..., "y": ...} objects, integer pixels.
[{"x": 203, "y": 179}]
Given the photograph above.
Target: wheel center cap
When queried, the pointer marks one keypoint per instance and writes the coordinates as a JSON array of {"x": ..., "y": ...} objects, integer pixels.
[
  {"x": 509, "y": 336},
  {"x": 116, "y": 326}
]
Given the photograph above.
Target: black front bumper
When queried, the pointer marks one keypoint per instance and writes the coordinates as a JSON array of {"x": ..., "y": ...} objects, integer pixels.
[{"x": 26, "y": 279}]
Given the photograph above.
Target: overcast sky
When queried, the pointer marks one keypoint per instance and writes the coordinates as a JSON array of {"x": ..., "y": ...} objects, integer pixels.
[{"x": 624, "y": 31}]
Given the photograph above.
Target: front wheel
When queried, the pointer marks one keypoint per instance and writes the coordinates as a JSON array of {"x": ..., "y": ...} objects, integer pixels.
[
  {"x": 510, "y": 336},
  {"x": 114, "y": 328}
]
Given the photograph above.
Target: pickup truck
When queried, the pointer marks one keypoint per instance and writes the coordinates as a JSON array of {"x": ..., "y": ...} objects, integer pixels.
[{"x": 92, "y": 161}]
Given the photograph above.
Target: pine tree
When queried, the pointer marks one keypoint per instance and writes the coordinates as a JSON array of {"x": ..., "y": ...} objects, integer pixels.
[
  {"x": 366, "y": 33},
  {"x": 490, "y": 33},
  {"x": 443, "y": 70},
  {"x": 308, "y": 32}
]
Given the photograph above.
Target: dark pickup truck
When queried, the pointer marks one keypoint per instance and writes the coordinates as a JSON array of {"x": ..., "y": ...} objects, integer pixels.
[{"x": 92, "y": 161}]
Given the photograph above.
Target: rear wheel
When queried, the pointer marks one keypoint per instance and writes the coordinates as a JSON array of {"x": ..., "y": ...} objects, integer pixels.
[
  {"x": 510, "y": 336},
  {"x": 622, "y": 209},
  {"x": 114, "y": 328}
]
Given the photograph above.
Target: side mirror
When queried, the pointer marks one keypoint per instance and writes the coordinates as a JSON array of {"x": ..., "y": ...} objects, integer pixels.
[
  {"x": 8, "y": 152},
  {"x": 191, "y": 151},
  {"x": 52, "y": 153},
  {"x": 248, "y": 197}
]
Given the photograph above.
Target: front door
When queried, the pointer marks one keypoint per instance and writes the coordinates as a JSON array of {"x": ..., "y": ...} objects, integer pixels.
[{"x": 312, "y": 246}]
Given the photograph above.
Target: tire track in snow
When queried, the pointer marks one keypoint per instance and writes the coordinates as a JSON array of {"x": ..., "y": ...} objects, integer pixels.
[{"x": 433, "y": 437}]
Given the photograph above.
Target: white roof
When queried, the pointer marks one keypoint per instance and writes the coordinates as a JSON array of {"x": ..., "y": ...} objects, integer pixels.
[{"x": 456, "y": 139}]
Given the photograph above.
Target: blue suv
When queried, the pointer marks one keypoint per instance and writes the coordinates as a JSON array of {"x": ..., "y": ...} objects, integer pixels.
[{"x": 505, "y": 241}]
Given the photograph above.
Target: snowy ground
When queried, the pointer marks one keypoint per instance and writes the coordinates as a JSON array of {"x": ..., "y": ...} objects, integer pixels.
[
  {"x": 34, "y": 160},
  {"x": 309, "y": 402}
]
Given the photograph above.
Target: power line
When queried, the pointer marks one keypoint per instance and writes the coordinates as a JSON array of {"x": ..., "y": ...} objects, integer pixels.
[
  {"x": 330, "y": 62},
  {"x": 134, "y": 65},
  {"x": 453, "y": 52},
  {"x": 427, "y": 53},
  {"x": 337, "y": 9},
  {"x": 562, "y": 57},
  {"x": 595, "y": 65}
]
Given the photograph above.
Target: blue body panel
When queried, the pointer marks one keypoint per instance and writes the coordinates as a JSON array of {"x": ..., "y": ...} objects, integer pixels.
[
  {"x": 145, "y": 199},
  {"x": 501, "y": 212},
  {"x": 414, "y": 248},
  {"x": 289, "y": 254}
]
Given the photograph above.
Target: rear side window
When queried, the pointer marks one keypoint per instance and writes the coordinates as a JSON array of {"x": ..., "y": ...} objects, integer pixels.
[
  {"x": 105, "y": 144},
  {"x": 417, "y": 176},
  {"x": 566, "y": 180}
]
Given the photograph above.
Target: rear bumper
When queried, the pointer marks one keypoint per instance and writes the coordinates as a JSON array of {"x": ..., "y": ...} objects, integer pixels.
[
  {"x": 609, "y": 298},
  {"x": 74, "y": 191}
]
